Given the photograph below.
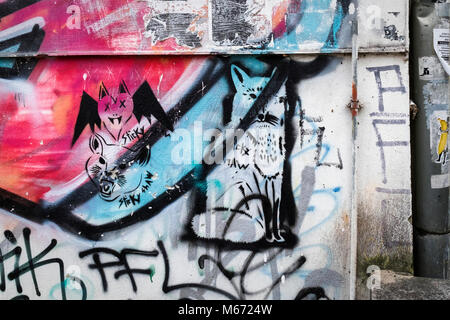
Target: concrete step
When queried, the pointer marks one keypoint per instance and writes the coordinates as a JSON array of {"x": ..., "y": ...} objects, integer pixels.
[{"x": 399, "y": 286}]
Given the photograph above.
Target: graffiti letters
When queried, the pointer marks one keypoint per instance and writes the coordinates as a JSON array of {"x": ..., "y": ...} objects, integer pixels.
[
  {"x": 34, "y": 262},
  {"x": 121, "y": 261}
]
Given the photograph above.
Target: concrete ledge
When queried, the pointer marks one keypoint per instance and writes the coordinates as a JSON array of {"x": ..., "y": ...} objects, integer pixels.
[{"x": 397, "y": 286}]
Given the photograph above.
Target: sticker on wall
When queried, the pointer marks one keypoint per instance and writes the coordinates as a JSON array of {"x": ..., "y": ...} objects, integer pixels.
[
  {"x": 431, "y": 69},
  {"x": 439, "y": 122},
  {"x": 441, "y": 38},
  {"x": 439, "y": 136}
]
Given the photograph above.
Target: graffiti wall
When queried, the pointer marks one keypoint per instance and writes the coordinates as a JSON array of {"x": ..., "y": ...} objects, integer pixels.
[{"x": 192, "y": 176}]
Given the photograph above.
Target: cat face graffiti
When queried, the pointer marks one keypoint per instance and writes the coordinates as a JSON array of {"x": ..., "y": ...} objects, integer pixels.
[
  {"x": 112, "y": 178},
  {"x": 115, "y": 109}
]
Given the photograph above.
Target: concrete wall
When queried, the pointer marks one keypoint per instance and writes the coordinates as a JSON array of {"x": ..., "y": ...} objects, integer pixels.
[{"x": 181, "y": 176}]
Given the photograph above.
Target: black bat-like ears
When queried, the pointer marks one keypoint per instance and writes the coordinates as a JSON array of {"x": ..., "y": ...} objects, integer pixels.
[
  {"x": 146, "y": 104},
  {"x": 123, "y": 87},
  {"x": 88, "y": 114},
  {"x": 102, "y": 92}
]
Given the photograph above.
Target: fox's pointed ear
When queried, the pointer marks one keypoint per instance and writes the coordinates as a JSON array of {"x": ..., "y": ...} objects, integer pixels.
[
  {"x": 123, "y": 87},
  {"x": 102, "y": 92},
  {"x": 240, "y": 77}
]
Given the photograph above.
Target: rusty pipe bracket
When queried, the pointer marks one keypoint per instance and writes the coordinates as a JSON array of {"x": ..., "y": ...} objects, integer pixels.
[{"x": 354, "y": 107}]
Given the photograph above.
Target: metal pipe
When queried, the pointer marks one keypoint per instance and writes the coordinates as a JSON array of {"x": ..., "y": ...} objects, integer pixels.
[
  {"x": 354, "y": 107},
  {"x": 430, "y": 161}
]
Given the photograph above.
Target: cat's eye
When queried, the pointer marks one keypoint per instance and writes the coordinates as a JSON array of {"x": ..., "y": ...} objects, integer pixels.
[{"x": 122, "y": 166}]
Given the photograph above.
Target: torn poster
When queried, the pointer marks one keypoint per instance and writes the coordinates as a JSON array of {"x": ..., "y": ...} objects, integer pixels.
[{"x": 441, "y": 46}]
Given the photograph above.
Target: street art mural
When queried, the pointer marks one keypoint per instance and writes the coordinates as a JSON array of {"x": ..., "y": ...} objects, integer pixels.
[
  {"x": 109, "y": 166},
  {"x": 176, "y": 176}
]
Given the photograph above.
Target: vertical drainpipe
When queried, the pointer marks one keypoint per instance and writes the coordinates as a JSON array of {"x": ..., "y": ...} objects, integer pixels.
[
  {"x": 354, "y": 107},
  {"x": 430, "y": 188}
]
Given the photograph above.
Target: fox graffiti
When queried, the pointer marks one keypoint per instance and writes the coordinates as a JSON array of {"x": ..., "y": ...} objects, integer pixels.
[
  {"x": 255, "y": 169},
  {"x": 117, "y": 115}
]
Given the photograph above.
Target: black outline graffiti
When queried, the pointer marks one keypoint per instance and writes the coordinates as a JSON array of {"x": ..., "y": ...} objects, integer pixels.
[
  {"x": 121, "y": 262},
  {"x": 289, "y": 73},
  {"x": 33, "y": 262},
  {"x": 276, "y": 233},
  {"x": 241, "y": 290}
]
